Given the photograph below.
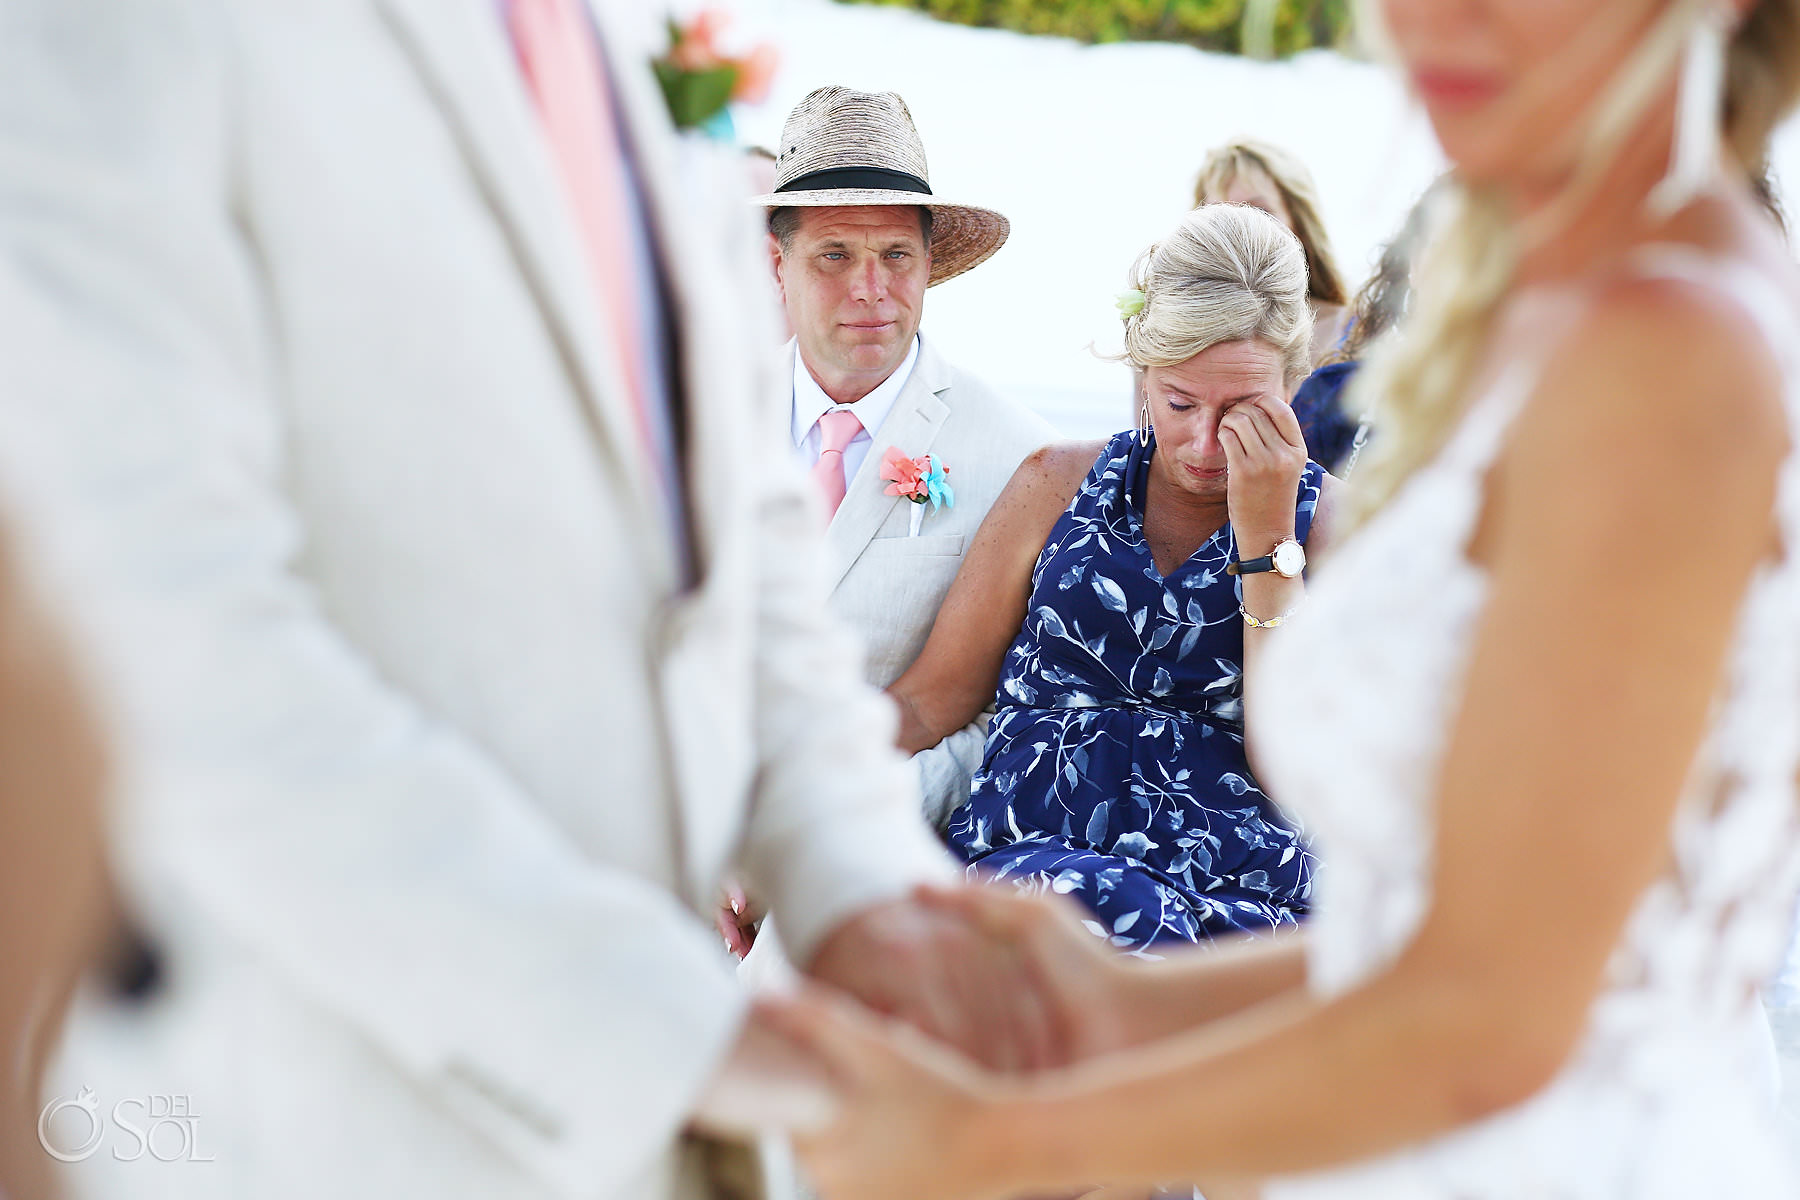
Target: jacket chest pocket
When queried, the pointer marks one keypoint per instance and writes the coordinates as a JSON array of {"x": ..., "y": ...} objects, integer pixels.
[{"x": 935, "y": 545}]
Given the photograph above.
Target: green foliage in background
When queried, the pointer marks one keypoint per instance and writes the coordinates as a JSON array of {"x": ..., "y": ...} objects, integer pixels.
[{"x": 1209, "y": 24}]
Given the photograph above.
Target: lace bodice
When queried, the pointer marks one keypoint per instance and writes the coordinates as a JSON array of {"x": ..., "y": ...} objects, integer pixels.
[{"x": 1667, "y": 1094}]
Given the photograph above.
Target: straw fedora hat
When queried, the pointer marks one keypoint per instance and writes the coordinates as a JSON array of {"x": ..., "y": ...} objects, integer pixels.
[{"x": 842, "y": 148}]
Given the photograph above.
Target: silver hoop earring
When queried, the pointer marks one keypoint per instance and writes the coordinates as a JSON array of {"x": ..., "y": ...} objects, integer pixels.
[
  {"x": 1699, "y": 104},
  {"x": 1143, "y": 422}
]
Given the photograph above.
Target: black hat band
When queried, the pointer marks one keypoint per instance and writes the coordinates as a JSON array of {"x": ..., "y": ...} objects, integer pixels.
[{"x": 871, "y": 179}]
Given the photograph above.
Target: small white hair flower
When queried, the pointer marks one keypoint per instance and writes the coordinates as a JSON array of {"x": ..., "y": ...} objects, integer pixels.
[{"x": 1130, "y": 303}]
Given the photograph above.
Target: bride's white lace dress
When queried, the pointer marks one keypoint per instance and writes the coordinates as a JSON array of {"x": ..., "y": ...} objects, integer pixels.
[{"x": 1668, "y": 1094}]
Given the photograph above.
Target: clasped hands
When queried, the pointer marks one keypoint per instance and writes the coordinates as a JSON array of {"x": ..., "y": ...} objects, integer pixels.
[{"x": 913, "y": 1017}]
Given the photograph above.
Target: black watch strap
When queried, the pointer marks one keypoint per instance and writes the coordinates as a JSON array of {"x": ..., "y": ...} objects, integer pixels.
[{"x": 1251, "y": 566}]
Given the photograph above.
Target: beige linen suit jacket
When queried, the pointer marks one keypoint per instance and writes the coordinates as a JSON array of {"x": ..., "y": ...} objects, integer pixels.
[
  {"x": 887, "y": 584},
  {"x": 434, "y": 765}
]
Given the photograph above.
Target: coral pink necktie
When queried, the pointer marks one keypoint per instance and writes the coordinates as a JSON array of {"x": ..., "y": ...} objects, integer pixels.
[
  {"x": 561, "y": 63},
  {"x": 837, "y": 429}
]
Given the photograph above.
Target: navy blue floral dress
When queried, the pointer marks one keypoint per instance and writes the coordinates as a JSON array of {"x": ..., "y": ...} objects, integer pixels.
[{"x": 1114, "y": 769}]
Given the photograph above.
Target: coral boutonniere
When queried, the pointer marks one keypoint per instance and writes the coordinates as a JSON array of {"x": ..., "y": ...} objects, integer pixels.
[
  {"x": 922, "y": 480},
  {"x": 699, "y": 81}
]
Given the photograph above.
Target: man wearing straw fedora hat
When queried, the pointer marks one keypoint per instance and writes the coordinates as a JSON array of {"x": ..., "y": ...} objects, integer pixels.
[{"x": 856, "y": 237}]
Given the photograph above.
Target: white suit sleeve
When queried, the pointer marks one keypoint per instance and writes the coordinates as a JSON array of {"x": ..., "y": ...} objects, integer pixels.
[
  {"x": 282, "y": 792},
  {"x": 836, "y": 826}
]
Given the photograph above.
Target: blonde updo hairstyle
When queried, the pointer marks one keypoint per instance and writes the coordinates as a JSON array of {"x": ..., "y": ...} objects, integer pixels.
[
  {"x": 1228, "y": 273},
  {"x": 1325, "y": 281},
  {"x": 1416, "y": 382}
]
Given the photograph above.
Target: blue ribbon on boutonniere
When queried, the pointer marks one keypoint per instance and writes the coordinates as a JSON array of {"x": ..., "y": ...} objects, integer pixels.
[{"x": 937, "y": 484}]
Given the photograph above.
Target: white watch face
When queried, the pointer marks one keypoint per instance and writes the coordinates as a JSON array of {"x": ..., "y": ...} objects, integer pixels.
[{"x": 1290, "y": 559}]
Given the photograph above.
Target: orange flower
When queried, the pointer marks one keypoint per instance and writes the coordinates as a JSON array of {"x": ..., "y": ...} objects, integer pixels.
[
  {"x": 905, "y": 476},
  {"x": 697, "y": 49},
  {"x": 756, "y": 73}
]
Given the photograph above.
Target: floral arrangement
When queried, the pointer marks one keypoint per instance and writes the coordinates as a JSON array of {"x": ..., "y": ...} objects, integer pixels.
[
  {"x": 922, "y": 480},
  {"x": 699, "y": 80}
]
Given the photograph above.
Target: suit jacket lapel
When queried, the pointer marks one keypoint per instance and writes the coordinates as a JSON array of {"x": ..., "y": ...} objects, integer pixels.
[
  {"x": 912, "y": 425},
  {"x": 692, "y": 188},
  {"x": 460, "y": 48},
  {"x": 627, "y": 33}
]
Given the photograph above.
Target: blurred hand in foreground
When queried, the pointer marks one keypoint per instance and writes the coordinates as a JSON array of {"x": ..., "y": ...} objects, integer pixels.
[
  {"x": 943, "y": 974},
  {"x": 1013, "y": 981},
  {"x": 908, "y": 1110}
]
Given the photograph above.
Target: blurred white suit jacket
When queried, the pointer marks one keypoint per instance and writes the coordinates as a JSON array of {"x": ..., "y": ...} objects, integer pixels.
[{"x": 432, "y": 766}]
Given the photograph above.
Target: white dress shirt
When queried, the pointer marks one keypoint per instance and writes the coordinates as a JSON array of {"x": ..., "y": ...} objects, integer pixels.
[{"x": 811, "y": 403}]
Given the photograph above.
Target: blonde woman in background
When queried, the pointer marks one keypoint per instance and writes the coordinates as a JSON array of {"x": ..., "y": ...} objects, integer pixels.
[
  {"x": 1268, "y": 177},
  {"x": 1542, "y": 709}
]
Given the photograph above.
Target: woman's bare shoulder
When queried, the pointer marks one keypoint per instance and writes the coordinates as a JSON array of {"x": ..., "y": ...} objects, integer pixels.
[
  {"x": 1664, "y": 400},
  {"x": 1054, "y": 472},
  {"x": 1688, "y": 356}
]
